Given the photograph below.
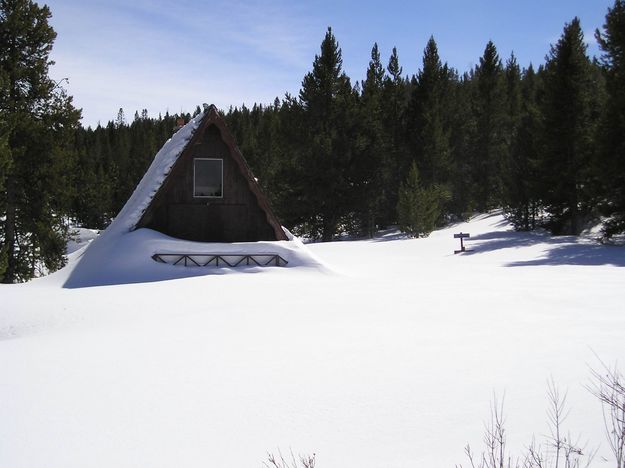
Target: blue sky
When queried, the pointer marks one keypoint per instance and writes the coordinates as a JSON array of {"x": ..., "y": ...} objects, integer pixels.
[{"x": 172, "y": 55}]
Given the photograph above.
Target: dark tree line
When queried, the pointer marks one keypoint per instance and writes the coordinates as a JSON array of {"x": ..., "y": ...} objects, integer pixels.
[{"x": 546, "y": 144}]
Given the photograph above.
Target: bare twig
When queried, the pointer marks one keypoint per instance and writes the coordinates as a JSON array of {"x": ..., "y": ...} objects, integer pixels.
[
  {"x": 560, "y": 450},
  {"x": 556, "y": 414},
  {"x": 305, "y": 461},
  {"x": 608, "y": 385}
]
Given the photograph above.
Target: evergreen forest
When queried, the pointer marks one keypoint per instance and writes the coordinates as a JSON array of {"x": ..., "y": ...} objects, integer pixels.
[{"x": 544, "y": 142}]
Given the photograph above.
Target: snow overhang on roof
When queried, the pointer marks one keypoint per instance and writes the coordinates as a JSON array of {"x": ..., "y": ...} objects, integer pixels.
[{"x": 156, "y": 174}]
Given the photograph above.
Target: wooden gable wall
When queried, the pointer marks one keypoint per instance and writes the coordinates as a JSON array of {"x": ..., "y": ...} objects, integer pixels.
[{"x": 241, "y": 215}]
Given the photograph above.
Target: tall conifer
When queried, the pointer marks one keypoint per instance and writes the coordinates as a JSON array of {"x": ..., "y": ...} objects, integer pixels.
[
  {"x": 489, "y": 144},
  {"x": 368, "y": 166},
  {"x": 429, "y": 122},
  {"x": 612, "y": 135},
  {"x": 428, "y": 125},
  {"x": 394, "y": 96},
  {"x": 461, "y": 138},
  {"x": 39, "y": 121},
  {"x": 519, "y": 173},
  {"x": 567, "y": 141},
  {"x": 327, "y": 152}
]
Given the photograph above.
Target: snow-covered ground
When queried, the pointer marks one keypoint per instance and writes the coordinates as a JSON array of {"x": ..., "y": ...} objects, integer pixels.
[{"x": 375, "y": 353}]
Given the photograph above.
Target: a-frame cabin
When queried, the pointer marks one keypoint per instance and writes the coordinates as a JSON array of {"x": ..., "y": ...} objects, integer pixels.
[{"x": 210, "y": 194}]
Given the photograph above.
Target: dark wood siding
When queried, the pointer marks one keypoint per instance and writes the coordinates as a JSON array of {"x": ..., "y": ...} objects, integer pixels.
[{"x": 236, "y": 217}]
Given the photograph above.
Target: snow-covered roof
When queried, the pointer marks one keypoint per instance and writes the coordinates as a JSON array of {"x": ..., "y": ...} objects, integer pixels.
[{"x": 156, "y": 174}]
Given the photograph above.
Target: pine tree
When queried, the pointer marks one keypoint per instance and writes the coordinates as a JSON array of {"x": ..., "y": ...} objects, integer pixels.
[
  {"x": 88, "y": 207},
  {"x": 5, "y": 160},
  {"x": 512, "y": 179},
  {"x": 288, "y": 190},
  {"x": 513, "y": 98},
  {"x": 368, "y": 167},
  {"x": 612, "y": 141},
  {"x": 461, "y": 140},
  {"x": 418, "y": 208},
  {"x": 394, "y": 96},
  {"x": 39, "y": 120},
  {"x": 567, "y": 142},
  {"x": 118, "y": 134},
  {"x": 328, "y": 102},
  {"x": 489, "y": 144},
  {"x": 520, "y": 198},
  {"x": 428, "y": 122},
  {"x": 372, "y": 86}
]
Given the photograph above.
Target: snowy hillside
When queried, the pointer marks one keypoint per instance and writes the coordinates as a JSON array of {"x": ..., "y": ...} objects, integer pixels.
[{"x": 376, "y": 353}]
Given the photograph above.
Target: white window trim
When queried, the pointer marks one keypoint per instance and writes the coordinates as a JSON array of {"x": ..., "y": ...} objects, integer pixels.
[{"x": 222, "y": 177}]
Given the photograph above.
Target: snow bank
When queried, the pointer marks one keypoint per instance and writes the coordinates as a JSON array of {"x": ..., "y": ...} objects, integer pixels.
[{"x": 126, "y": 257}]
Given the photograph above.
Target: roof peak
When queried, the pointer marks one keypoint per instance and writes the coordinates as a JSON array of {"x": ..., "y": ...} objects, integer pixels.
[{"x": 209, "y": 108}]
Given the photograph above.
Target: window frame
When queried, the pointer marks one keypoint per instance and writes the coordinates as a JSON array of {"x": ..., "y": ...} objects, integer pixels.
[{"x": 222, "y": 177}]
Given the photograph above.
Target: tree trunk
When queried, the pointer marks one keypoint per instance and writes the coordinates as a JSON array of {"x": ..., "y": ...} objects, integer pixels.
[
  {"x": 575, "y": 214},
  {"x": 9, "y": 232},
  {"x": 329, "y": 228}
]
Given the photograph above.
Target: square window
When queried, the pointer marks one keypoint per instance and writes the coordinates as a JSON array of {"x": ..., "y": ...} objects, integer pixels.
[{"x": 208, "y": 176}]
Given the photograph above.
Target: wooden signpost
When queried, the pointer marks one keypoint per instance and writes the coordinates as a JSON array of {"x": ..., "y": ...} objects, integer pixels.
[{"x": 462, "y": 236}]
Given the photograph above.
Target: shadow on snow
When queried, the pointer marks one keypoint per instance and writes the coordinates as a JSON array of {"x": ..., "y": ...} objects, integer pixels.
[{"x": 559, "y": 250}]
